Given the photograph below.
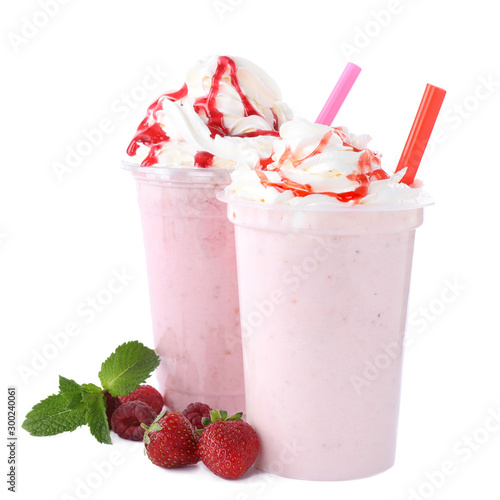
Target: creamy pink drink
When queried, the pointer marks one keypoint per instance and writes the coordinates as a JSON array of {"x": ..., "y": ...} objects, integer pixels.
[
  {"x": 191, "y": 262},
  {"x": 184, "y": 151},
  {"x": 324, "y": 251}
]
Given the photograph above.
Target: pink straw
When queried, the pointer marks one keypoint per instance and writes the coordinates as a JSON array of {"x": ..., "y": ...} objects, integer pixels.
[{"x": 338, "y": 95}]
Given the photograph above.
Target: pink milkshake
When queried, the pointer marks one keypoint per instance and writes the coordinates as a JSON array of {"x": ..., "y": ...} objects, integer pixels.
[
  {"x": 324, "y": 241},
  {"x": 191, "y": 264},
  {"x": 184, "y": 150}
]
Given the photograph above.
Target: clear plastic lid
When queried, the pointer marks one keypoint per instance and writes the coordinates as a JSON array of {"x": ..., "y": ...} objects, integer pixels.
[{"x": 178, "y": 175}]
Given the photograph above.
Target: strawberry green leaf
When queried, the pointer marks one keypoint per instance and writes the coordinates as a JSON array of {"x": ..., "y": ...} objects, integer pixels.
[
  {"x": 215, "y": 416},
  {"x": 236, "y": 416},
  {"x": 205, "y": 421}
]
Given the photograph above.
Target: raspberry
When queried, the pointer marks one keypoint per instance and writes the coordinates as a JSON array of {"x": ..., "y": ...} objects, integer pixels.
[
  {"x": 128, "y": 417},
  {"x": 148, "y": 395},
  {"x": 195, "y": 412},
  {"x": 112, "y": 403}
]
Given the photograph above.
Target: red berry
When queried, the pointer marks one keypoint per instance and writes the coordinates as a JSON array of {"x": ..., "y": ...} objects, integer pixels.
[
  {"x": 148, "y": 395},
  {"x": 128, "y": 417},
  {"x": 229, "y": 448},
  {"x": 171, "y": 441},
  {"x": 112, "y": 403},
  {"x": 195, "y": 412}
]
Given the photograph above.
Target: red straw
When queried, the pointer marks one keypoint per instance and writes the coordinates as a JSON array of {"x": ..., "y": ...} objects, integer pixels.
[{"x": 420, "y": 132}]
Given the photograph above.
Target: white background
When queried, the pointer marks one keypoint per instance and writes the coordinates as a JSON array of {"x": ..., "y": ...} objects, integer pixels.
[{"x": 61, "y": 238}]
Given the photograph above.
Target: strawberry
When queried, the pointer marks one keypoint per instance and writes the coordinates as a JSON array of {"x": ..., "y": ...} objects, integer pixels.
[
  {"x": 228, "y": 446},
  {"x": 171, "y": 441}
]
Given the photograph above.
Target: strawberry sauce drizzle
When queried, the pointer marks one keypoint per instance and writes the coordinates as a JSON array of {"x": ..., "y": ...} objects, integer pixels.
[
  {"x": 365, "y": 175},
  {"x": 208, "y": 104},
  {"x": 345, "y": 140},
  {"x": 154, "y": 137}
]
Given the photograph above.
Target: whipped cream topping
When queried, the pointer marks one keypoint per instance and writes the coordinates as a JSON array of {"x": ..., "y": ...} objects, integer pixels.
[
  {"x": 229, "y": 111},
  {"x": 313, "y": 164}
]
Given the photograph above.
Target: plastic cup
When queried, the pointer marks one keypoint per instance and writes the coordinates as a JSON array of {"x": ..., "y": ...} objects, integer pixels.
[
  {"x": 323, "y": 295},
  {"x": 191, "y": 266}
]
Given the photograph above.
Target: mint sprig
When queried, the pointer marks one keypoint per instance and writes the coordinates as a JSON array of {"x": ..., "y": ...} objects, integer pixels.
[
  {"x": 96, "y": 416},
  {"x": 73, "y": 393},
  {"x": 76, "y": 405},
  {"x": 52, "y": 416},
  {"x": 127, "y": 368}
]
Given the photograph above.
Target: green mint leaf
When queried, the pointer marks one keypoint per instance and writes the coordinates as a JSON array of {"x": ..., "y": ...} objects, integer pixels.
[
  {"x": 73, "y": 393},
  {"x": 127, "y": 368},
  {"x": 69, "y": 387},
  {"x": 91, "y": 388},
  {"x": 52, "y": 416},
  {"x": 96, "y": 413},
  {"x": 76, "y": 403}
]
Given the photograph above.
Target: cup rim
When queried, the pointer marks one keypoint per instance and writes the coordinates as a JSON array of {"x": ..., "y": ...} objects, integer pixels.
[
  {"x": 172, "y": 172},
  {"x": 330, "y": 207}
]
